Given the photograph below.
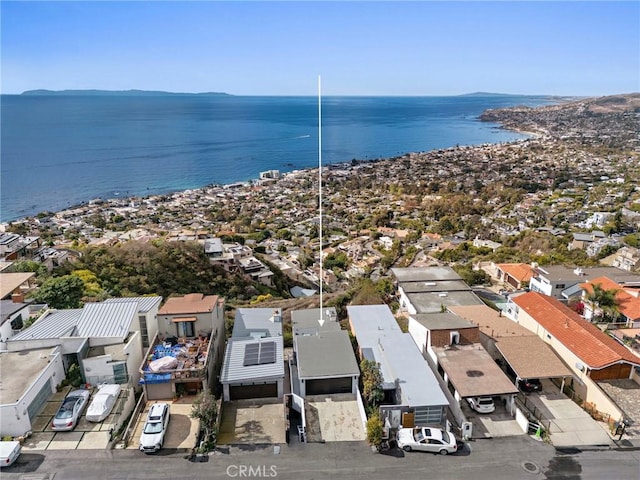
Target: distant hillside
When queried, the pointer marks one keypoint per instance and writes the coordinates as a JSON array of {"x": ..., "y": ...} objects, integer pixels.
[
  {"x": 136, "y": 93},
  {"x": 491, "y": 94}
]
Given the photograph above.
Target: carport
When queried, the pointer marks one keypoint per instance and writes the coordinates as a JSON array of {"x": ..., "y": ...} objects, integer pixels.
[
  {"x": 471, "y": 372},
  {"x": 530, "y": 357}
]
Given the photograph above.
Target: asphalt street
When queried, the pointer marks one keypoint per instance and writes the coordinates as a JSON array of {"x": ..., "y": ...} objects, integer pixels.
[{"x": 495, "y": 459}]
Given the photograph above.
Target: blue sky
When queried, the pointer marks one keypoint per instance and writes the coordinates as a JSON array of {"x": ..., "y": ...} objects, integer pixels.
[{"x": 359, "y": 48}]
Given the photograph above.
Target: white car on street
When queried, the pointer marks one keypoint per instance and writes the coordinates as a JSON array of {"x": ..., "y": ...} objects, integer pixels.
[
  {"x": 155, "y": 428},
  {"x": 9, "y": 452},
  {"x": 482, "y": 404},
  {"x": 427, "y": 439}
]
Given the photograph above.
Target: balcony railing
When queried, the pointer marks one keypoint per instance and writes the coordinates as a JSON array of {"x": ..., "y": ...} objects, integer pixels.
[{"x": 184, "y": 358}]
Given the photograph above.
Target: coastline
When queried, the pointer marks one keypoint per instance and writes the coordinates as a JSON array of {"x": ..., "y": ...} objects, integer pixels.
[{"x": 38, "y": 206}]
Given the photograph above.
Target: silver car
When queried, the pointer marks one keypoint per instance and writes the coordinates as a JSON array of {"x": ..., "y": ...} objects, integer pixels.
[
  {"x": 68, "y": 414},
  {"x": 427, "y": 439}
]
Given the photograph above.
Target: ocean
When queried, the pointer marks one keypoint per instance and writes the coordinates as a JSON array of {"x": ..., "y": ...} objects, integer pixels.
[{"x": 61, "y": 150}]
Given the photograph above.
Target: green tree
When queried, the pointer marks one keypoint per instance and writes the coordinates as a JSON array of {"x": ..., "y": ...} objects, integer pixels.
[
  {"x": 61, "y": 292},
  {"x": 30, "y": 266},
  {"x": 371, "y": 378},
  {"x": 603, "y": 302},
  {"x": 471, "y": 276},
  {"x": 205, "y": 409},
  {"x": 91, "y": 283}
]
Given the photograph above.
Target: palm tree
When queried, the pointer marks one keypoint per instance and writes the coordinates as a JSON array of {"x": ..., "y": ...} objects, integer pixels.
[{"x": 602, "y": 303}]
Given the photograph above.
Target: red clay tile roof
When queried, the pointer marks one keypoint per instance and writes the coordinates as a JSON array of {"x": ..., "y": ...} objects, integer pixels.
[
  {"x": 628, "y": 305},
  {"x": 520, "y": 271},
  {"x": 594, "y": 347},
  {"x": 190, "y": 303}
]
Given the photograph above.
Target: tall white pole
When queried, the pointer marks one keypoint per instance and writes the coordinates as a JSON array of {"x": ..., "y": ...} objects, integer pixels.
[{"x": 320, "y": 183}]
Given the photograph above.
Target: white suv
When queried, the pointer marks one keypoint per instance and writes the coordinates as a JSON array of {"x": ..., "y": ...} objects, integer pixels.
[
  {"x": 155, "y": 428},
  {"x": 482, "y": 404}
]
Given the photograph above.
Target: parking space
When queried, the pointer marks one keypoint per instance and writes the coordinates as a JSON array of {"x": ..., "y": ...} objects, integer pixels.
[
  {"x": 86, "y": 435},
  {"x": 569, "y": 425},
  {"x": 499, "y": 423},
  {"x": 255, "y": 421},
  {"x": 333, "y": 418},
  {"x": 182, "y": 430}
]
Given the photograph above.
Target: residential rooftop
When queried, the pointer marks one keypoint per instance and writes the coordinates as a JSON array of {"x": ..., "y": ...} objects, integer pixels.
[
  {"x": 24, "y": 367},
  {"x": 473, "y": 372},
  {"x": 327, "y": 354},
  {"x": 594, "y": 347},
  {"x": 442, "y": 321},
  {"x": 190, "y": 303}
]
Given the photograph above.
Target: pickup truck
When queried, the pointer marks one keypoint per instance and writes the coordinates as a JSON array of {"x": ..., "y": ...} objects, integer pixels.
[{"x": 9, "y": 452}]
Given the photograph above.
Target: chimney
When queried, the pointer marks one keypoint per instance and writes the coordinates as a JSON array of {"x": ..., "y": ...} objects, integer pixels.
[
  {"x": 17, "y": 297},
  {"x": 277, "y": 316}
]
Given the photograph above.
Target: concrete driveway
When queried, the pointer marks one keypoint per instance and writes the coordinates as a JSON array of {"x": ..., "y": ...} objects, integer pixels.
[
  {"x": 256, "y": 421},
  {"x": 86, "y": 435},
  {"x": 333, "y": 418},
  {"x": 570, "y": 425},
  {"x": 490, "y": 425},
  {"x": 182, "y": 431}
]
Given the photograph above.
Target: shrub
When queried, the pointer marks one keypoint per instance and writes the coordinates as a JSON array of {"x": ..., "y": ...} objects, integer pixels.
[{"x": 375, "y": 429}]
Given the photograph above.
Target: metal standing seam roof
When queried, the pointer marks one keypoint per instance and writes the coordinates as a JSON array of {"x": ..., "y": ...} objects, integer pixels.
[
  {"x": 107, "y": 319},
  {"x": 235, "y": 372},
  {"x": 54, "y": 324},
  {"x": 327, "y": 354},
  {"x": 145, "y": 304}
]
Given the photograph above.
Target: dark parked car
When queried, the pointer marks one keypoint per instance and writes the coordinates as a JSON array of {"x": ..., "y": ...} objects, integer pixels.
[{"x": 529, "y": 385}]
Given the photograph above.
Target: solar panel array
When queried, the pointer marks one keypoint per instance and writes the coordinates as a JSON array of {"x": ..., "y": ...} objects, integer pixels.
[{"x": 259, "y": 353}]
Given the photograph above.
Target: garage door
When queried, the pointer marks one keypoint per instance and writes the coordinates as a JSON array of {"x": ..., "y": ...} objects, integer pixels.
[
  {"x": 159, "y": 391},
  {"x": 328, "y": 385},
  {"x": 39, "y": 400},
  {"x": 253, "y": 391}
]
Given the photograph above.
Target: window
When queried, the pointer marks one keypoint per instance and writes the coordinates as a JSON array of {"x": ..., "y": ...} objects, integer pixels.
[
  {"x": 560, "y": 285},
  {"x": 185, "y": 329}
]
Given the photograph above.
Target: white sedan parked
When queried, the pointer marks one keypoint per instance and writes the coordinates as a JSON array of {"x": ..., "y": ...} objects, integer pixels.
[{"x": 427, "y": 439}]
